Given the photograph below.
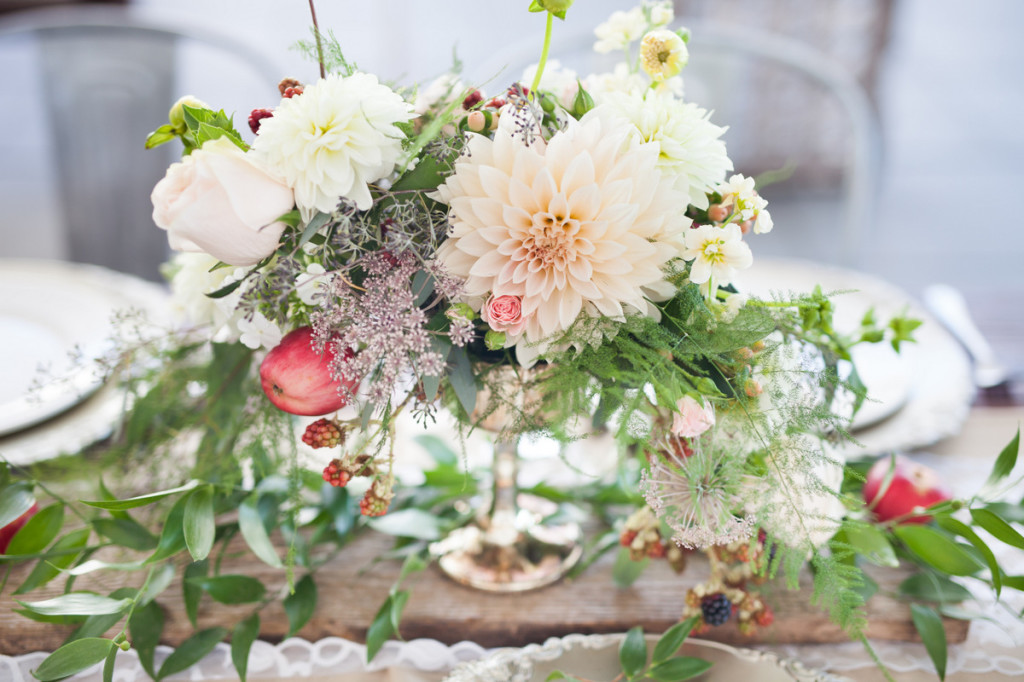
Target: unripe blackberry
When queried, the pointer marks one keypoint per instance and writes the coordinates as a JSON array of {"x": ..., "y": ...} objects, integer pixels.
[
  {"x": 292, "y": 92},
  {"x": 323, "y": 433},
  {"x": 716, "y": 609},
  {"x": 627, "y": 537},
  {"x": 336, "y": 475},
  {"x": 764, "y": 617},
  {"x": 288, "y": 83},
  {"x": 373, "y": 505},
  {"x": 256, "y": 117}
]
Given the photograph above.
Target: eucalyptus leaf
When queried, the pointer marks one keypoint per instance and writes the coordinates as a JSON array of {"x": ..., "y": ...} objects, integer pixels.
[
  {"x": 73, "y": 657},
  {"x": 1005, "y": 462},
  {"x": 191, "y": 651},
  {"x": 242, "y": 639},
  {"x": 963, "y": 530},
  {"x": 673, "y": 638},
  {"x": 633, "y": 652},
  {"x": 15, "y": 500},
  {"x": 191, "y": 593},
  {"x": 625, "y": 571},
  {"x": 250, "y": 522},
  {"x": 300, "y": 605},
  {"x": 146, "y": 624},
  {"x": 313, "y": 226},
  {"x": 999, "y": 528},
  {"x": 380, "y": 630},
  {"x": 199, "y": 526},
  {"x": 77, "y": 604},
  {"x": 141, "y": 500},
  {"x": 932, "y": 587},
  {"x": 937, "y": 549},
  {"x": 46, "y": 570},
  {"x": 127, "y": 533},
  {"x": 38, "y": 531},
  {"x": 172, "y": 537},
  {"x": 929, "y": 626},
  {"x": 231, "y": 589},
  {"x": 408, "y": 523},
  {"x": 462, "y": 379},
  {"x": 682, "y": 668}
]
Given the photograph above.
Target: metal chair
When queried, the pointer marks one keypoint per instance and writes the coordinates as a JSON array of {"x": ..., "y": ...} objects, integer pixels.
[{"x": 104, "y": 77}]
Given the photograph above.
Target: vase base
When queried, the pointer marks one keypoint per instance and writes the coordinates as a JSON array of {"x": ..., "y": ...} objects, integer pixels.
[{"x": 529, "y": 559}]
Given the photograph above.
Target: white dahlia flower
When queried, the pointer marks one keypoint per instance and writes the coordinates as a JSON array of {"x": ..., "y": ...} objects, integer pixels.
[
  {"x": 690, "y": 144},
  {"x": 582, "y": 224},
  {"x": 334, "y": 139}
]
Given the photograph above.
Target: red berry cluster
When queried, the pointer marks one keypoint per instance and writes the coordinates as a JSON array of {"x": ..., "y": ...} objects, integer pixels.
[
  {"x": 289, "y": 87},
  {"x": 335, "y": 474},
  {"x": 256, "y": 117},
  {"x": 323, "y": 433},
  {"x": 377, "y": 498},
  {"x": 340, "y": 471}
]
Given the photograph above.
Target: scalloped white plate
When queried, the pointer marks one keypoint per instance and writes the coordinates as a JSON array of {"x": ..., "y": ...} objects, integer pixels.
[{"x": 596, "y": 657}]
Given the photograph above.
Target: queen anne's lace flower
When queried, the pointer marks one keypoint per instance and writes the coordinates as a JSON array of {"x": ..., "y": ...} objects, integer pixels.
[
  {"x": 690, "y": 144},
  {"x": 334, "y": 139},
  {"x": 582, "y": 224}
]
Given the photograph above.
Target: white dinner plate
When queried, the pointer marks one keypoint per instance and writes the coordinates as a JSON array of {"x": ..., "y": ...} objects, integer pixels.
[
  {"x": 915, "y": 397},
  {"x": 51, "y": 311},
  {"x": 595, "y": 657}
]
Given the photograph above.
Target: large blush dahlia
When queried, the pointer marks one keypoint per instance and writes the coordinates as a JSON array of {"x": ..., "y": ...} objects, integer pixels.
[
  {"x": 581, "y": 224},
  {"x": 334, "y": 139}
]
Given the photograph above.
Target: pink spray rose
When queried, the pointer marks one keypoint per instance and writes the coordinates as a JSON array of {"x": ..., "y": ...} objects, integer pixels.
[
  {"x": 219, "y": 201},
  {"x": 504, "y": 314},
  {"x": 692, "y": 419}
]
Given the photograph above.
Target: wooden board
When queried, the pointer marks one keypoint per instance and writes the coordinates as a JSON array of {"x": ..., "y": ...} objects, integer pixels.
[{"x": 352, "y": 589}]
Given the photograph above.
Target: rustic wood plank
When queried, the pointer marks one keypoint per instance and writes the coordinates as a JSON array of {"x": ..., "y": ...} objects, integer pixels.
[{"x": 352, "y": 588}]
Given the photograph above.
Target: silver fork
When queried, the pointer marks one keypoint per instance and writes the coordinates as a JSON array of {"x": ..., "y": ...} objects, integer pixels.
[{"x": 947, "y": 304}]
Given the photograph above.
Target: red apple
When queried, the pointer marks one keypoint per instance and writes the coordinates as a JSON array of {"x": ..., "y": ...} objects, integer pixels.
[
  {"x": 913, "y": 486},
  {"x": 298, "y": 380},
  {"x": 8, "y": 531}
]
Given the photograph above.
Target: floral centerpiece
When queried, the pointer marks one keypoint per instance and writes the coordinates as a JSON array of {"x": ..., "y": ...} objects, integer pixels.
[{"x": 365, "y": 250}]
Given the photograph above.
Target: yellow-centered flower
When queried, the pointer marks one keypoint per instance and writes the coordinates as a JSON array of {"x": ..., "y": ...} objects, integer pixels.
[{"x": 663, "y": 54}]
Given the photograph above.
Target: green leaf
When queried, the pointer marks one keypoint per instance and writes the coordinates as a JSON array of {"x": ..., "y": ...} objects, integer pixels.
[
  {"x": 380, "y": 629},
  {"x": 191, "y": 651},
  {"x": 159, "y": 579},
  {"x": 245, "y": 634},
  {"x": 413, "y": 563},
  {"x": 1005, "y": 462},
  {"x": 440, "y": 451},
  {"x": 999, "y": 528},
  {"x": 462, "y": 379},
  {"x": 172, "y": 537},
  {"x": 96, "y": 565},
  {"x": 77, "y": 604},
  {"x": 255, "y": 533},
  {"x": 109, "y": 664},
  {"x": 140, "y": 501},
  {"x": 191, "y": 593},
  {"x": 1007, "y": 511},
  {"x": 633, "y": 652},
  {"x": 48, "y": 569},
  {"x": 559, "y": 675},
  {"x": 300, "y": 605},
  {"x": 1014, "y": 581},
  {"x": 932, "y": 587},
  {"x": 682, "y": 668},
  {"x": 313, "y": 226},
  {"x": 669, "y": 643},
  {"x": 96, "y": 626},
  {"x": 625, "y": 571},
  {"x": 231, "y": 589},
  {"x": 199, "y": 526},
  {"x": 398, "y": 602},
  {"x": 963, "y": 530},
  {"x": 937, "y": 549},
  {"x": 161, "y": 135},
  {"x": 38, "y": 531},
  {"x": 871, "y": 543},
  {"x": 226, "y": 289},
  {"x": 15, "y": 500},
  {"x": 73, "y": 657},
  {"x": 929, "y": 626},
  {"x": 146, "y": 625},
  {"x": 408, "y": 523},
  {"x": 127, "y": 533}
]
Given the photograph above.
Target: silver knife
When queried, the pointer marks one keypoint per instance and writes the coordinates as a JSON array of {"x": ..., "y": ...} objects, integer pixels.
[{"x": 947, "y": 304}]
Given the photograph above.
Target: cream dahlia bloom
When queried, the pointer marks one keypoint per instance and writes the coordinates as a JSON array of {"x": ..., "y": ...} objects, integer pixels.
[
  {"x": 334, "y": 139},
  {"x": 690, "y": 144},
  {"x": 581, "y": 224}
]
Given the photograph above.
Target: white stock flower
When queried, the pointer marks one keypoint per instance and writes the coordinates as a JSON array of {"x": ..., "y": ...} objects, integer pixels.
[
  {"x": 717, "y": 253},
  {"x": 309, "y": 283},
  {"x": 583, "y": 224},
  {"x": 662, "y": 13},
  {"x": 334, "y": 139},
  {"x": 259, "y": 332},
  {"x": 620, "y": 80},
  {"x": 690, "y": 145},
  {"x": 620, "y": 30},
  {"x": 191, "y": 279}
]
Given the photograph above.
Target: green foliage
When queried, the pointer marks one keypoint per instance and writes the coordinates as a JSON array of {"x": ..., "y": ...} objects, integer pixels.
[{"x": 664, "y": 664}]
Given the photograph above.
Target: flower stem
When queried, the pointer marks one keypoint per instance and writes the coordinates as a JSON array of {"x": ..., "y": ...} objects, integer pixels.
[
  {"x": 319, "y": 43},
  {"x": 543, "y": 54}
]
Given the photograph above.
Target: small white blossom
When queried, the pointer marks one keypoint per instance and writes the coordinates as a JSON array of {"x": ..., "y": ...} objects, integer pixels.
[
  {"x": 738, "y": 194},
  {"x": 439, "y": 93},
  {"x": 732, "y": 307},
  {"x": 662, "y": 13},
  {"x": 620, "y": 80},
  {"x": 717, "y": 253},
  {"x": 259, "y": 332},
  {"x": 620, "y": 30},
  {"x": 310, "y": 283}
]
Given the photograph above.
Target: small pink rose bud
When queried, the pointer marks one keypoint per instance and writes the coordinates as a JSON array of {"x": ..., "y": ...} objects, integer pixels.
[
  {"x": 504, "y": 314},
  {"x": 752, "y": 388},
  {"x": 692, "y": 418}
]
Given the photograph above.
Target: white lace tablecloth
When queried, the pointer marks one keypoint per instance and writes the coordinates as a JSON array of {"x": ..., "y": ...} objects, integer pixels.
[{"x": 993, "y": 651}]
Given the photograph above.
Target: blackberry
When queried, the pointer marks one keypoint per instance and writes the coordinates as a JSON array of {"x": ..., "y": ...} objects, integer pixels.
[
  {"x": 286, "y": 83},
  {"x": 256, "y": 117},
  {"x": 472, "y": 99},
  {"x": 716, "y": 609},
  {"x": 336, "y": 475},
  {"x": 323, "y": 433}
]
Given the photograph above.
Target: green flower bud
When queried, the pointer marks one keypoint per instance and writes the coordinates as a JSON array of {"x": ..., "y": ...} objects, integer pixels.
[
  {"x": 494, "y": 340},
  {"x": 460, "y": 310},
  {"x": 556, "y": 7},
  {"x": 582, "y": 103},
  {"x": 177, "y": 113}
]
